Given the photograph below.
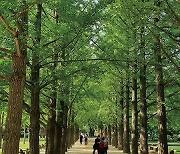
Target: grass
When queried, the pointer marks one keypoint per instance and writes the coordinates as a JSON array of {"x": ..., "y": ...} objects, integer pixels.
[{"x": 26, "y": 145}]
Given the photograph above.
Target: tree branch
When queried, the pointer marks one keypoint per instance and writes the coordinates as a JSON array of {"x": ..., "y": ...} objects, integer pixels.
[
  {"x": 7, "y": 51},
  {"x": 165, "y": 53},
  {"x": 174, "y": 108},
  {"x": 172, "y": 12},
  {"x": 5, "y": 58},
  {"x": 84, "y": 60},
  {"x": 5, "y": 78},
  {"x": 7, "y": 25}
]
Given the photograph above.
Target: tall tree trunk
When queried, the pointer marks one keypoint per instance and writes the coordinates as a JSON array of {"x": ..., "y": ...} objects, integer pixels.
[
  {"x": 35, "y": 89},
  {"x": 105, "y": 131},
  {"x": 69, "y": 133},
  {"x": 72, "y": 130},
  {"x": 64, "y": 137},
  {"x": 24, "y": 139},
  {"x": 134, "y": 134},
  {"x": 76, "y": 132},
  {"x": 16, "y": 86},
  {"x": 51, "y": 127},
  {"x": 109, "y": 134},
  {"x": 59, "y": 127},
  {"x": 121, "y": 124},
  {"x": 50, "y": 149},
  {"x": 126, "y": 144},
  {"x": 116, "y": 135},
  {"x": 143, "y": 104},
  {"x": 1, "y": 129},
  {"x": 161, "y": 109},
  {"x": 113, "y": 135}
]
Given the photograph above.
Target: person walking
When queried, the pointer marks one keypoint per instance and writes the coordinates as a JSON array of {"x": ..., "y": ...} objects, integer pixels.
[
  {"x": 86, "y": 138},
  {"x": 105, "y": 145},
  {"x": 96, "y": 144},
  {"x": 81, "y": 138},
  {"x": 101, "y": 146}
]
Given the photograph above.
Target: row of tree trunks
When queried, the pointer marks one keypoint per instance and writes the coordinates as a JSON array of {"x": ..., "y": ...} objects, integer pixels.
[
  {"x": 161, "y": 109},
  {"x": 16, "y": 84}
]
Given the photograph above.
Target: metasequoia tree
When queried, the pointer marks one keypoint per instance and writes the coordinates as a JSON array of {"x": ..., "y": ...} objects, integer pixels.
[
  {"x": 17, "y": 78},
  {"x": 35, "y": 86},
  {"x": 161, "y": 111}
]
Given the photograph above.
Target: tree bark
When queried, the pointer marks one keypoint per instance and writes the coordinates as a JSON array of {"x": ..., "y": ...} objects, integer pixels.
[
  {"x": 13, "y": 122},
  {"x": 109, "y": 134},
  {"x": 121, "y": 125},
  {"x": 134, "y": 134},
  {"x": 35, "y": 88},
  {"x": 105, "y": 131},
  {"x": 16, "y": 86},
  {"x": 59, "y": 127},
  {"x": 162, "y": 130},
  {"x": 64, "y": 136},
  {"x": 126, "y": 143},
  {"x": 1, "y": 129},
  {"x": 161, "y": 110},
  {"x": 143, "y": 104},
  {"x": 24, "y": 139},
  {"x": 116, "y": 136}
]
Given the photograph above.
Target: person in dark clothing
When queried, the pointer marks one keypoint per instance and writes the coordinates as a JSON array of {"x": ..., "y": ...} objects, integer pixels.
[
  {"x": 96, "y": 144},
  {"x": 81, "y": 138},
  {"x": 86, "y": 138},
  {"x": 101, "y": 146},
  {"x": 105, "y": 145}
]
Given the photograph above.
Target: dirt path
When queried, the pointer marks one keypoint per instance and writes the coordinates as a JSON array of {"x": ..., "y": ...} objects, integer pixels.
[
  {"x": 78, "y": 148},
  {"x": 88, "y": 149}
]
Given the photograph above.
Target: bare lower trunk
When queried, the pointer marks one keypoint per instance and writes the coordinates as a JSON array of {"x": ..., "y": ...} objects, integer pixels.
[
  {"x": 162, "y": 130},
  {"x": 1, "y": 129},
  {"x": 134, "y": 134},
  {"x": 109, "y": 134},
  {"x": 76, "y": 132},
  {"x": 64, "y": 137},
  {"x": 16, "y": 93},
  {"x": 106, "y": 131},
  {"x": 116, "y": 136},
  {"x": 143, "y": 113},
  {"x": 59, "y": 127},
  {"x": 24, "y": 139},
  {"x": 51, "y": 127},
  {"x": 121, "y": 125},
  {"x": 126, "y": 143}
]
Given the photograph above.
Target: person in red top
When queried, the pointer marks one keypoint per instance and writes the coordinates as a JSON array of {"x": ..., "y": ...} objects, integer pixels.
[{"x": 101, "y": 146}]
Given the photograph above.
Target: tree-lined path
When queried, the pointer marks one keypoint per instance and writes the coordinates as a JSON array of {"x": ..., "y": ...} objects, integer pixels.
[{"x": 108, "y": 67}]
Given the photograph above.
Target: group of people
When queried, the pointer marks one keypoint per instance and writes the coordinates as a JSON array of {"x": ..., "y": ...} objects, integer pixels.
[
  {"x": 101, "y": 145},
  {"x": 85, "y": 136}
]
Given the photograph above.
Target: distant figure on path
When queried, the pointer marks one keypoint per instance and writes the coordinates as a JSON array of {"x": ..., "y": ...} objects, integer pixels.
[
  {"x": 96, "y": 144},
  {"x": 86, "y": 138},
  {"x": 81, "y": 138},
  {"x": 101, "y": 146}
]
